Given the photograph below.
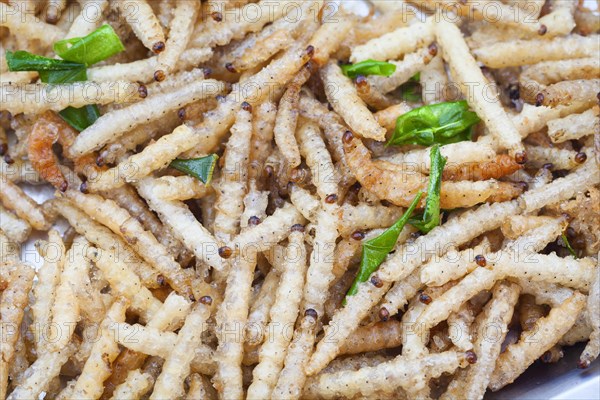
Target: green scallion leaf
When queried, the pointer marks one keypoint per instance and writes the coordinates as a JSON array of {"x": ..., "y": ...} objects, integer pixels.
[
  {"x": 201, "y": 168},
  {"x": 24, "y": 61},
  {"x": 77, "y": 54},
  {"x": 441, "y": 123},
  {"x": 57, "y": 72},
  {"x": 64, "y": 76},
  {"x": 565, "y": 241},
  {"x": 95, "y": 47},
  {"x": 431, "y": 216},
  {"x": 376, "y": 250},
  {"x": 368, "y": 67}
]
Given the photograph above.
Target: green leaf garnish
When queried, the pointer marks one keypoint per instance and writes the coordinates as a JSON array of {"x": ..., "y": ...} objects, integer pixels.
[
  {"x": 368, "y": 67},
  {"x": 201, "y": 168},
  {"x": 568, "y": 245},
  {"x": 416, "y": 77},
  {"x": 25, "y": 61},
  {"x": 431, "y": 216},
  {"x": 64, "y": 76},
  {"x": 77, "y": 54},
  {"x": 376, "y": 250},
  {"x": 95, "y": 47},
  {"x": 441, "y": 123},
  {"x": 80, "y": 118},
  {"x": 411, "y": 91}
]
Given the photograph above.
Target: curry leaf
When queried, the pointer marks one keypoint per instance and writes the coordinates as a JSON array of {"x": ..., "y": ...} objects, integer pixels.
[
  {"x": 201, "y": 168},
  {"x": 95, "y": 47},
  {"x": 431, "y": 216},
  {"x": 368, "y": 67},
  {"x": 376, "y": 250},
  {"x": 441, "y": 123}
]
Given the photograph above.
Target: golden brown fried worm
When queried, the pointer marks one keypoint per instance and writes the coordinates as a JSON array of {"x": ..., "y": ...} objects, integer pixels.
[
  {"x": 184, "y": 17},
  {"x": 47, "y": 130},
  {"x": 591, "y": 351},
  {"x": 15, "y": 228},
  {"x": 44, "y": 291},
  {"x": 42, "y": 372},
  {"x": 401, "y": 186},
  {"x": 523, "y": 52},
  {"x": 19, "y": 98},
  {"x": 472, "y": 381},
  {"x": 105, "y": 240},
  {"x": 140, "y": 16},
  {"x": 548, "y": 72},
  {"x": 233, "y": 184},
  {"x": 112, "y": 125},
  {"x": 574, "y": 126},
  {"x": 283, "y": 316},
  {"x": 474, "y": 86},
  {"x": 569, "y": 92},
  {"x": 293, "y": 376},
  {"x": 503, "y": 165},
  {"x": 233, "y": 312},
  {"x": 104, "y": 351},
  {"x": 395, "y": 44},
  {"x": 13, "y": 301},
  {"x": 533, "y": 344},
  {"x": 381, "y": 335},
  {"x": 135, "y": 386},
  {"x": 21, "y": 22},
  {"x": 13, "y": 197},
  {"x": 371, "y": 95},
  {"x": 410, "y": 65},
  {"x": 237, "y": 22},
  {"x": 287, "y": 119},
  {"x": 177, "y": 364},
  {"x": 479, "y": 220},
  {"x": 206, "y": 136},
  {"x": 342, "y": 96},
  {"x": 388, "y": 376}
]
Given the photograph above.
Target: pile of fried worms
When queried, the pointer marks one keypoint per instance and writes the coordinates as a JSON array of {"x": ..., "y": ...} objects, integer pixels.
[{"x": 282, "y": 199}]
